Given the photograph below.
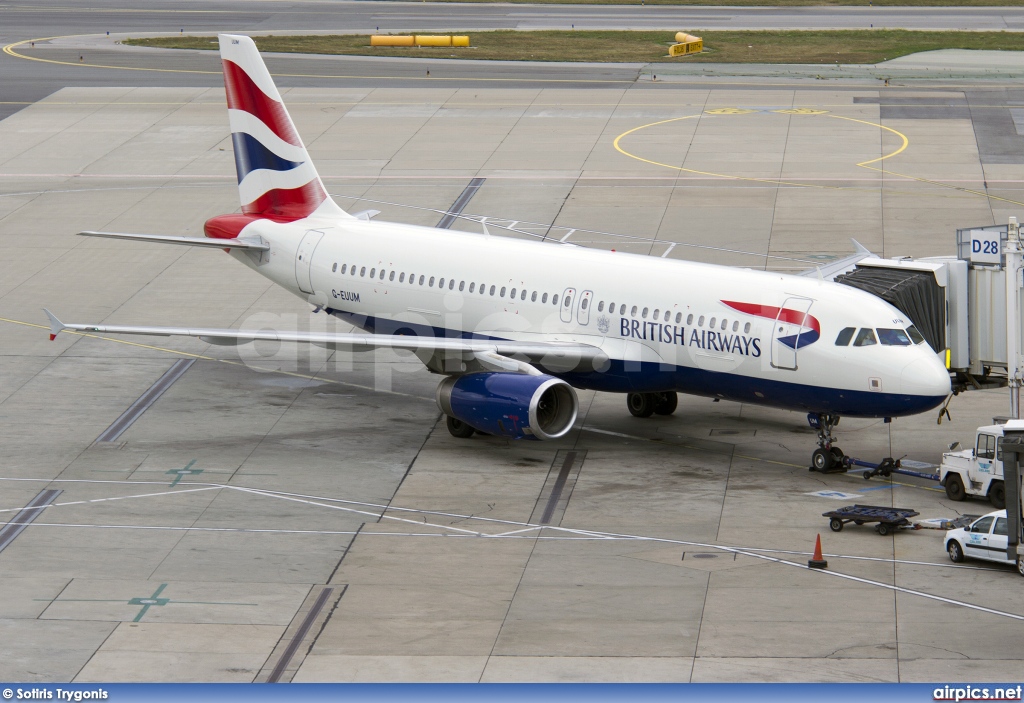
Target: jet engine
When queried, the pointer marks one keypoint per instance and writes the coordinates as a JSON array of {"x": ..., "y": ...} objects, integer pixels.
[{"x": 516, "y": 405}]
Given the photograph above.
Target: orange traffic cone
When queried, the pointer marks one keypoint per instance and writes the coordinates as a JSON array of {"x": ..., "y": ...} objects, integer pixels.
[{"x": 817, "y": 562}]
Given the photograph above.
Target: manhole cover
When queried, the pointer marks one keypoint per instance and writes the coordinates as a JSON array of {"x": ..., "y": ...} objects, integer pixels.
[{"x": 704, "y": 556}]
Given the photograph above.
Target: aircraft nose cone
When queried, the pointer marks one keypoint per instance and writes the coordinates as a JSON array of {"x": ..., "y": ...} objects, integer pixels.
[{"x": 926, "y": 376}]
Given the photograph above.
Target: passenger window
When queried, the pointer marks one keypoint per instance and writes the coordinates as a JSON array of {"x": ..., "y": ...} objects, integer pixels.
[
  {"x": 865, "y": 338},
  {"x": 679, "y": 317},
  {"x": 362, "y": 271},
  {"x": 725, "y": 323},
  {"x": 657, "y": 313},
  {"x": 373, "y": 273},
  {"x": 492, "y": 290},
  {"x": 512, "y": 294},
  {"x": 440, "y": 283},
  {"x": 1000, "y": 528},
  {"x": 736, "y": 326},
  {"x": 712, "y": 323},
  {"x": 392, "y": 276},
  {"x": 600, "y": 306},
  {"x": 983, "y": 525},
  {"x": 567, "y": 301},
  {"x": 382, "y": 274},
  {"x": 431, "y": 284},
  {"x": 986, "y": 446},
  {"x": 633, "y": 311},
  {"x": 644, "y": 314},
  {"x": 700, "y": 321},
  {"x": 334, "y": 268},
  {"x": 554, "y": 299},
  {"x": 522, "y": 296},
  {"x": 422, "y": 277},
  {"x": 544, "y": 298},
  {"x": 451, "y": 284},
  {"x": 533, "y": 297},
  {"x": 915, "y": 335},
  {"x": 689, "y": 319},
  {"x": 893, "y": 337},
  {"x": 845, "y": 335},
  {"x": 583, "y": 305},
  {"x": 472, "y": 286},
  {"x": 462, "y": 284},
  {"x": 611, "y": 308},
  {"x": 746, "y": 328},
  {"x": 401, "y": 278}
]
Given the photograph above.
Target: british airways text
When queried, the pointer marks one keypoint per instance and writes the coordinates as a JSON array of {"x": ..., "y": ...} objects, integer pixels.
[{"x": 702, "y": 339}]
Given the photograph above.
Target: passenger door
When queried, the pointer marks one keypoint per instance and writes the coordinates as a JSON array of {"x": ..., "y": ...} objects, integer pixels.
[
  {"x": 304, "y": 259},
  {"x": 787, "y": 331},
  {"x": 977, "y": 539},
  {"x": 583, "y": 314},
  {"x": 565, "y": 308},
  {"x": 985, "y": 451},
  {"x": 997, "y": 541}
]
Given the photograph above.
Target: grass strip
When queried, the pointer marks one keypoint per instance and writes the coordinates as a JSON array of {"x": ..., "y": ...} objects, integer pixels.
[{"x": 773, "y": 47}]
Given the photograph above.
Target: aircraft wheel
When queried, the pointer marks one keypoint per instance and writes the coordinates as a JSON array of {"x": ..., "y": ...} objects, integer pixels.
[
  {"x": 997, "y": 495},
  {"x": 640, "y": 404},
  {"x": 821, "y": 459},
  {"x": 955, "y": 488},
  {"x": 837, "y": 456},
  {"x": 666, "y": 403},
  {"x": 458, "y": 428}
]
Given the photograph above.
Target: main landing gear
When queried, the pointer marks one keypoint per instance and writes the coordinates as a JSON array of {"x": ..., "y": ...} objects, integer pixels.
[
  {"x": 647, "y": 404},
  {"x": 827, "y": 456}
]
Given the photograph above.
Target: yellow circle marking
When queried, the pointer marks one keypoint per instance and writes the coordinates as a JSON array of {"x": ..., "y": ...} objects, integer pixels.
[
  {"x": 729, "y": 111},
  {"x": 801, "y": 111}
]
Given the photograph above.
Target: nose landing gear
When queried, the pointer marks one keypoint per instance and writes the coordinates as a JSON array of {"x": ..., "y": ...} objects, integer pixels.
[{"x": 827, "y": 456}]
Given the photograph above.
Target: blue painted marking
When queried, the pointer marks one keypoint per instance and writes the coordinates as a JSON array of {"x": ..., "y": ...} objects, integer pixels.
[
  {"x": 875, "y": 488},
  {"x": 250, "y": 155}
]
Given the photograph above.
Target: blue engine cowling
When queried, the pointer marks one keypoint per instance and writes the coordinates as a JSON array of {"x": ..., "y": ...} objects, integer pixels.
[{"x": 510, "y": 404}]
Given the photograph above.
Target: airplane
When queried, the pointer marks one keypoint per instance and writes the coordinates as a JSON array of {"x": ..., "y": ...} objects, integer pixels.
[{"x": 515, "y": 326}]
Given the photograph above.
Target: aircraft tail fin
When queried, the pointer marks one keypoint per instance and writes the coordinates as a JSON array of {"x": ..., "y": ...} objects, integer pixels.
[{"x": 276, "y": 177}]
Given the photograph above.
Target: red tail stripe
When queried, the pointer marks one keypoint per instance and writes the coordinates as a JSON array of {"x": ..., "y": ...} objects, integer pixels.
[
  {"x": 245, "y": 95},
  {"x": 290, "y": 204},
  {"x": 772, "y": 313}
]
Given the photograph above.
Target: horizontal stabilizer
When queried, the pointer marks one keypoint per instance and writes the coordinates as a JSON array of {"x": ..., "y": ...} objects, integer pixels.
[{"x": 248, "y": 244}]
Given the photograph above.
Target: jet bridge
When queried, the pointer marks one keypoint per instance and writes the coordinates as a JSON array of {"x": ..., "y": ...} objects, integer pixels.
[{"x": 959, "y": 303}]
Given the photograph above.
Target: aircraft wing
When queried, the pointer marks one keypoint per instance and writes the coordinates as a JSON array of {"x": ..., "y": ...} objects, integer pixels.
[
  {"x": 494, "y": 354},
  {"x": 830, "y": 270}
]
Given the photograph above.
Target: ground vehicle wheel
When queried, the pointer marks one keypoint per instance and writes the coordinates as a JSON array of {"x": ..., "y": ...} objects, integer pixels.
[
  {"x": 883, "y": 529},
  {"x": 837, "y": 456},
  {"x": 665, "y": 403},
  {"x": 956, "y": 552},
  {"x": 821, "y": 459},
  {"x": 955, "y": 488},
  {"x": 858, "y": 522},
  {"x": 458, "y": 428},
  {"x": 640, "y": 404},
  {"x": 1020, "y": 565},
  {"x": 835, "y": 524},
  {"x": 997, "y": 494}
]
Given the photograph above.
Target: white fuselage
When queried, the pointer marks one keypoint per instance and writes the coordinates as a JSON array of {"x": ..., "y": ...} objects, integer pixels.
[{"x": 665, "y": 324}]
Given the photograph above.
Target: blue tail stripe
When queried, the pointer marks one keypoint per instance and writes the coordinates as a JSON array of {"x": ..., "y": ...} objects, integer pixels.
[{"x": 250, "y": 155}]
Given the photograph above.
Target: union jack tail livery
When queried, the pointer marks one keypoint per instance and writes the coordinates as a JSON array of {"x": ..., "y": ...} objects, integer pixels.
[{"x": 276, "y": 177}]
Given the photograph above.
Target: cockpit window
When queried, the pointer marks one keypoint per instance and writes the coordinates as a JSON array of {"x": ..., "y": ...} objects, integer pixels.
[
  {"x": 915, "y": 335},
  {"x": 845, "y": 336},
  {"x": 893, "y": 337},
  {"x": 865, "y": 338}
]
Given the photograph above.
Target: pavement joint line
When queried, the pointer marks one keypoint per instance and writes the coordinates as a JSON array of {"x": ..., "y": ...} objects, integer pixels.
[
  {"x": 300, "y": 634},
  {"x": 145, "y": 401},
  {"x": 26, "y": 516},
  {"x": 460, "y": 203}
]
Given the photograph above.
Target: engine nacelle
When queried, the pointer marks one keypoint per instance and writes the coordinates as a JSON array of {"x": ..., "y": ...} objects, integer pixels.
[{"x": 510, "y": 404}]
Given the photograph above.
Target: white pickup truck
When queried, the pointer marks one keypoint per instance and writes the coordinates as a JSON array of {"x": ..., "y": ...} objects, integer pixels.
[{"x": 978, "y": 471}]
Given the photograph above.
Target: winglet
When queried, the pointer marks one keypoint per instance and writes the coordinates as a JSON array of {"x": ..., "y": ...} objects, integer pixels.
[
  {"x": 56, "y": 326},
  {"x": 860, "y": 248}
]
